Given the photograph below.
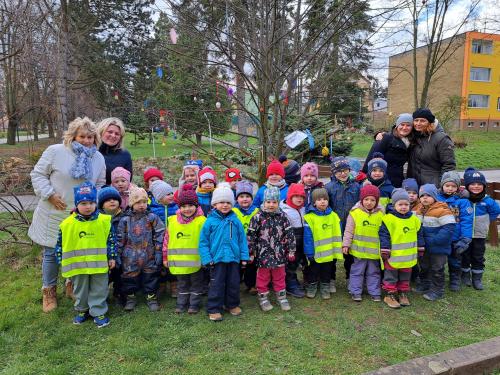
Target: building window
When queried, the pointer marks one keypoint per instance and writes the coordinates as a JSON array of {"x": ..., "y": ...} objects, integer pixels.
[
  {"x": 484, "y": 47},
  {"x": 496, "y": 124},
  {"x": 470, "y": 124},
  {"x": 478, "y": 101},
  {"x": 480, "y": 74},
  {"x": 482, "y": 124},
  {"x": 498, "y": 104}
]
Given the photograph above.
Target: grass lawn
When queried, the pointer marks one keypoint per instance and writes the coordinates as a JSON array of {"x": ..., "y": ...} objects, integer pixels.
[{"x": 336, "y": 336}]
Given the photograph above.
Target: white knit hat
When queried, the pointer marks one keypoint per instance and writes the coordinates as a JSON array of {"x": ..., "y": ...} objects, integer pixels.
[
  {"x": 223, "y": 193},
  {"x": 160, "y": 189}
]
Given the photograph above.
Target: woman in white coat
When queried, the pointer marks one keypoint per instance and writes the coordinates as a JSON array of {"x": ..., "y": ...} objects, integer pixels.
[{"x": 60, "y": 168}]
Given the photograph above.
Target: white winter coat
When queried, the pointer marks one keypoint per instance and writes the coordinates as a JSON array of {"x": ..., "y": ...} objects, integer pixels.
[
  {"x": 52, "y": 175},
  {"x": 295, "y": 217}
]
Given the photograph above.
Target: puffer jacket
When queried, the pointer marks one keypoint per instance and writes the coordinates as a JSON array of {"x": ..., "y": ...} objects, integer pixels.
[
  {"x": 139, "y": 242},
  {"x": 431, "y": 156},
  {"x": 385, "y": 236},
  {"x": 294, "y": 216},
  {"x": 484, "y": 211},
  {"x": 223, "y": 239},
  {"x": 342, "y": 197},
  {"x": 51, "y": 175},
  {"x": 156, "y": 207},
  {"x": 270, "y": 239},
  {"x": 350, "y": 226},
  {"x": 438, "y": 225},
  {"x": 463, "y": 213}
]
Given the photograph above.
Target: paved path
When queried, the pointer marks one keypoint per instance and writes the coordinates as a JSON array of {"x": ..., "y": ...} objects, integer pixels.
[{"x": 24, "y": 138}]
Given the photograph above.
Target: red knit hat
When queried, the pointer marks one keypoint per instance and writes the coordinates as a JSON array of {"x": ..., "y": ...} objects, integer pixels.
[
  {"x": 233, "y": 174},
  {"x": 294, "y": 190},
  {"x": 187, "y": 195},
  {"x": 369, "y": 191},
  {"x": 152, "y": 172},
  {"x": 207, "y": 173},
  {"x": 275, "y": 167}
]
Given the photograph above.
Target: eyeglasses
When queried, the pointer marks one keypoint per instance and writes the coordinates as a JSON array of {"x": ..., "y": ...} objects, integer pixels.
[{"x": 344, "y": 171}]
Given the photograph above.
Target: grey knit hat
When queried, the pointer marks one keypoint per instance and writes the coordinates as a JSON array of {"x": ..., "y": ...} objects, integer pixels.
[
  {"x": 399, "y": 194},
  {"x": 429, "y": 189},
  {"x": 451, "y": 176},
  {"x": 223, "y": 193},
  {"x": 272, "y": 193},
  {"x": 160, "y": 189},
  {"x": 244, "y": 187},
  {"x": 404, "y": 117}
]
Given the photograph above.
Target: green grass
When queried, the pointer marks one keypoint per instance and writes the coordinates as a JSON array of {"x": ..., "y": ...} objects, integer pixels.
[{"x": 336, "y": 336}]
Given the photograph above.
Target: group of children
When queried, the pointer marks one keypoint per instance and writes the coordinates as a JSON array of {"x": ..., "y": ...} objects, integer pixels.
[{"x": 206, "y": 238}]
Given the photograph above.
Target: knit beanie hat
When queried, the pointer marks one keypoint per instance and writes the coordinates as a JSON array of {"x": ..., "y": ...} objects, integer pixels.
[
  {"x": 399, "y": 194},
  {"x": 424, "y": 113},
  {"x": 295, "y": 190},
  {"x": 292, "y": 170},
  {"x": 137, "y": 194},
  {"x": 106, "y": 194},
  {"x": 404, "y": 117},
  {"x": 429, "y": 189},
  {"x": 473, "y": 175},
  {"x": 410, "y": 184},
  {"x": 194, "y": 163},
  {"x": 160, "y": 189},
  {"x": 272, "y": 193},
  {"x": 187, "y": 195},
  {"x": 377, "y": 161},
  {"x": 369, "y": 191},
  {"x": 85, "y": 192},
  {"x": 205, "y": 174},
  {"x": 451, "y": 176},
  {"x": 223, "y": 193},
  {"x": 275, "y": 167},
  {"x": 120, "y": 172},
  {"x": 152, "y": 172},
  {"x": 309, "y": 168},
  {"x": 244, "y": 187},
  {"x": 232, "y": 174},
  {"x": 340, "y": 163},
  {"x": 318, "y": 194}
]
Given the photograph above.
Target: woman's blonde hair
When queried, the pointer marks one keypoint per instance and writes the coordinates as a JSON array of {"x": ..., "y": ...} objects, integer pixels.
[
  {"x": 81, "y": 124},
  {"x": 104, "y": 124}
]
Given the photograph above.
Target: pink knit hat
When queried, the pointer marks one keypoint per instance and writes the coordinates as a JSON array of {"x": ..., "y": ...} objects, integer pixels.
[
  {"x": 120, "y": 172},
  {"x": 207, "y": 173},
  {"x": 309, "y": 168}
]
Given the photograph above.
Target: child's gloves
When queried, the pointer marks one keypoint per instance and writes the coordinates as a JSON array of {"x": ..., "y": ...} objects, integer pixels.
[
  {"x": 462, "y": 245},
  {"x": 158, "y": 259},
  {"x": 165, "y": 264},
  {"x": 345, "y": 250},
  {"x": 244, "y": 263},
  {"x": 421, "y": 251},
  {"x": 385, "y": 253},
  {"x": 291, "y": 257},
  {"x": 111, "y": 264}
]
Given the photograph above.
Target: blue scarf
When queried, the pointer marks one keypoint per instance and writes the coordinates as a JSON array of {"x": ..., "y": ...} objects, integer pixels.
[{"x": 82, "y": 167}]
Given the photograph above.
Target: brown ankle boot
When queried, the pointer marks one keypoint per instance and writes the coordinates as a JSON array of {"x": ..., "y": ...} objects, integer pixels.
[
  {"x": 49, "y": 299},
  {"x": 68, "y": 286},
  {"x": 173, "y": 289},
  {"x": 392, "y": 301}
]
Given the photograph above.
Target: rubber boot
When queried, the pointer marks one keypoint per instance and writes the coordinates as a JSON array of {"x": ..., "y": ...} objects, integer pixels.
[
  {"x": 311, "y": 290},
  {"x": 465, "y": 277},
  {"x": 455, "y": 280},
  {"x": 264, "y": 303},
  {"x": 477, "y": 281},
  {"x": 152, "y": 302},
  {"x": 281, "y": 297},
  {"x": 324, "y": 290},
  {"x": 49, "y": 299},
  {"x": 130, "y": 302}
]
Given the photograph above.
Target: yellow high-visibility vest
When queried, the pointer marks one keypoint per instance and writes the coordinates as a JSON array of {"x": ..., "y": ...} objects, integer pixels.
[
  {"x": 183, "y": 241},
  {"x": 245, "y": 219},
  {"x": 384, "y": 201},
  {"x": 366, "y": 243},
  {"x": 327, "y": 236},
  {"x": 84, "y": 245},
  {"x": 403, "y": 233}
]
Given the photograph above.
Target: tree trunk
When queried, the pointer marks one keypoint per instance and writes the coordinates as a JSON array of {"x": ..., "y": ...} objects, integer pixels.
[
  {"x": 12, "y": 128},
  {"x": 198, "y": 139},
  {"x": 415, "y": 40},
  {"x": 239, "y": 51},
  {"x": 62, "y": 72}
]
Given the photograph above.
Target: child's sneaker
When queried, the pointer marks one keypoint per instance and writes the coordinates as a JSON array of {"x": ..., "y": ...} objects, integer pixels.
[
  {"x": 264, "y": 303},
  {"x": 311, "y": 290},
  {"x": 392, "y": 301},
  {"x": 281, "y": 297},
  {"x": 324, "y": 290},
  {"x": 152, "y": 302},
  {"x": 357, "y": 297},
  {"x": 236, "y": 311},
  {"x": 431, "y": 296},
  {"x": 130, "y": 303},
  {"x": 101, "y": 321},
  {"x": 81, "y": 317},
  {"x": 215, "y": 317},
  {"x": 376, "y": 298},
  {"x": 403, "y": 299}
]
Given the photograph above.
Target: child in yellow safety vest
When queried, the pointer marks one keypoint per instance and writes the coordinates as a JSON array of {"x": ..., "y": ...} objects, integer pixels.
[
  {"x": 322, "y": 244},
  {"x": 401, "y": 241},
  {"x": 85, "y": 248},
  {"x": 180, "y": 250},
  {"x": 361, "y": 241}
]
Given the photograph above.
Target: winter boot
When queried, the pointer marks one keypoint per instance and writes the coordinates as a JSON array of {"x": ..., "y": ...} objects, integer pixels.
[
  {"x": 455, "y": 280},
  {"x": 477, "y": 281},
  {"x": 295, "y": 289},
  {"x": 152, "y": 302},
  {"x": 130, "y": 302},
  {"x": 392, "y": 301},
  {"x": 311, "y": 290},
  {"x": 281, "y": 297},
  {"x": 69, "y": 289},
  {"x": 264, "y": 303},
  {"x": 324, "y": 290},
  {"x": 403, "y": 299},
  {"x": 333, "y": 288},
  {"x": 465, "y": 277},
  {"x": 173, "y": 289},
  {"x": 49, "y": 299}
]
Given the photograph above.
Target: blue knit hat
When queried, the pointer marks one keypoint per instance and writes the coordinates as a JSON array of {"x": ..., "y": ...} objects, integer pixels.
[
  {"x": 377, "y": 162},
  {"x": 339, "y": 163},
  {"x": 473, "y": 175},
  {"x": 244, "y": 187},
  {"x": 108, "y": 193},
  {"x": 410, "y": 184},
  {"x": 404, "y": 117},
  {"x": 429, "y": 189},
  {"x": 85, "y": 192},
  {"x": 272, "y": 193}
]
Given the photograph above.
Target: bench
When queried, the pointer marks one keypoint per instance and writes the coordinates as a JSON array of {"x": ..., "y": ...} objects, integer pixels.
[
  {"x": 493, "y": 190},
  {"x": 324, "y": 171}
]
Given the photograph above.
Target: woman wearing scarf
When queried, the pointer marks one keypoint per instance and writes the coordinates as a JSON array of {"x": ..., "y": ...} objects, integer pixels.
[{"x": 60, "y": 168}]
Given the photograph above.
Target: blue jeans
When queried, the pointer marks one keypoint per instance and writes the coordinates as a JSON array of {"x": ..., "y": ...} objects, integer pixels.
[{"x": 50, "y": 268}]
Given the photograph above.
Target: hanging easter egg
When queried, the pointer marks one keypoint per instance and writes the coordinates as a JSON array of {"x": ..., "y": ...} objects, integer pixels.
[
  {"x": 230, "y": 91},
  {"x": 261, "y": 109},
  {"x": 217, "y": 105},
  {"x": 115, "y": 95},
  {"x": 285, "y": 101},
  {"x": 159, "y": 71},
  {"x": 202, "y": 100},
  {"x": 195, "y": 99},
  {"x": 173, "y": 36}
]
